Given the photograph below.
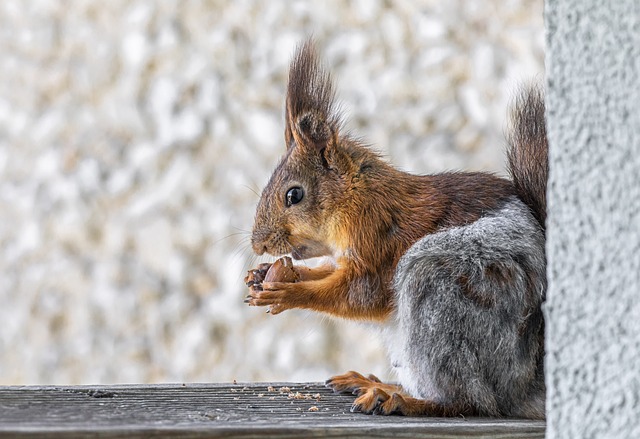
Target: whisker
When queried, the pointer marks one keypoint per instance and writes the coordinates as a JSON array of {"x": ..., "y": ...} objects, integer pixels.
[
  {"x": 231, "y": 235},
  {"x": 240, "y": 249},
  {"x": 252, "y": 190},
  {"x": 248, "y": 232}
]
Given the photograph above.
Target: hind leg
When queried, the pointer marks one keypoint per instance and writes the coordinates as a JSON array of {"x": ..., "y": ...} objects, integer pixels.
[
  {"x": 376, "y": 397},
  {"x": 468, "y": 305},
  {"x": 370, "y": 391},
  {"x": 408, "y": 406}
]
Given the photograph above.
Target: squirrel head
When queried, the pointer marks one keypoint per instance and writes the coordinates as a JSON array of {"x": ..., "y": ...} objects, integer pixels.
[{"x": 299, "y": 207}]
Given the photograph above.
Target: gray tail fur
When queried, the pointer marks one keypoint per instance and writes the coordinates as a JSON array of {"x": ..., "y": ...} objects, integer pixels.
[{"x": 527, "y": 152}]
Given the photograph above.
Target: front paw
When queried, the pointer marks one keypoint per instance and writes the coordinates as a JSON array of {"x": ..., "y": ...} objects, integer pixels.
[
  {"x": 275, "y": 295},
  {"x": 256, "y": 276},
  {"x": 282, "y": 270}
]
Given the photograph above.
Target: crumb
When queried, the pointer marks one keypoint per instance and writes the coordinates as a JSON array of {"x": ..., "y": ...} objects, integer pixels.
[
  {"x": 235, "y": 382},
  {"x": 298, "y": 409},
  {"x": 236, "y": 399},
  {"x": 272, "y": 398},
  {"x": 245, "y": 388},
  {"x": 270, "y": 389},
  {"x": 284, "y": 389},
  {"x": 260, "y": 395},
  {"x": 313, "y": 408},
  {"x": 233, "y": 390},
  {"x": 317, "y": 397}
]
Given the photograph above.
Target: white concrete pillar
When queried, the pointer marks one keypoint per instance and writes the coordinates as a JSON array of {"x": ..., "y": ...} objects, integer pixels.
[{"x": 593, "y": 230}]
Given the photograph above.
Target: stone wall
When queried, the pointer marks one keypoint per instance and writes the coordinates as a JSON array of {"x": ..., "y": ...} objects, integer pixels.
[{"x": 135, "y": 136}]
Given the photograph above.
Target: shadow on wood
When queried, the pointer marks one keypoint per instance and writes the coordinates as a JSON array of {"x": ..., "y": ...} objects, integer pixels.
[{"x": 222, "y": 410}]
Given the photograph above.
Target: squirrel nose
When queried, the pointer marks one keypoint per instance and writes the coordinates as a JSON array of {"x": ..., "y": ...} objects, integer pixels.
[
  {"x": 259, "y": 240},
  {"x": 258, "y": 247}
]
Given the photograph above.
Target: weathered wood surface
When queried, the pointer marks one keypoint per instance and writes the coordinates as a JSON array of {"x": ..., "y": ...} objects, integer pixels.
[{"x": 222, "y": 410}]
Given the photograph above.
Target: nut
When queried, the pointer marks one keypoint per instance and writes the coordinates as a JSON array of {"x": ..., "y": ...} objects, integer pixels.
[{"x": 282, "y": 271}]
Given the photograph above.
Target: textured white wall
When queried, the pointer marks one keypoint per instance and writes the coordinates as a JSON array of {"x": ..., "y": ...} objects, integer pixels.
[
  {"x": 133, "y": 135},
  {"x": 592, "y": 310}
]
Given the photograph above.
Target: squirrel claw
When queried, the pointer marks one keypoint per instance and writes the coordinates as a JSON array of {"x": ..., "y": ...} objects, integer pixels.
[
  {"x": 256, "y": 276},
  {"x": 329, "y": 383}
]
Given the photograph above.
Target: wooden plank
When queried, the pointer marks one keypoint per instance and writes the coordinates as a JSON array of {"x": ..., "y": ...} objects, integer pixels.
[{"x": 222, "y": 410}]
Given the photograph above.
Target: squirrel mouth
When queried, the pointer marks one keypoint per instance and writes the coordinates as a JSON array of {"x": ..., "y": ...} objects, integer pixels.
[
  {"x": 309, "y": 249},
  {"x": 297, "y": 253}
]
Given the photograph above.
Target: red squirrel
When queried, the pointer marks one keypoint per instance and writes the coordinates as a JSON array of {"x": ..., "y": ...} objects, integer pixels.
[{"x": 451, "y": 266}]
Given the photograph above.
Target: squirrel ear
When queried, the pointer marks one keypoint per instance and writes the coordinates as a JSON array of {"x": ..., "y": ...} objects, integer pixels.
[{"x": 312, "y": 130}]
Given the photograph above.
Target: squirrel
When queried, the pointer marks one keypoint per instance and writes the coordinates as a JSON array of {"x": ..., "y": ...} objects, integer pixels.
[{"x": 451, "y": 266}]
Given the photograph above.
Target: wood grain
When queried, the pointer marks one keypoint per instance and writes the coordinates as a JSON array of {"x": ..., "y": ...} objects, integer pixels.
[{"x": 281, "y": 410}]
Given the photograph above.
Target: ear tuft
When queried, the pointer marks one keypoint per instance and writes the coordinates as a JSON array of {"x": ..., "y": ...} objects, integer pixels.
[{"x": 311, "y": 113}]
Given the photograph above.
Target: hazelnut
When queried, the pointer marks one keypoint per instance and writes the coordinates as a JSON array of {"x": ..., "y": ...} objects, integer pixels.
[{"x": 282, "y": 271}]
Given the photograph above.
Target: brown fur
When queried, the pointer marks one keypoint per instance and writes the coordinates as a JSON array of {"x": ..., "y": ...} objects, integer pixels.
[
  {"x": 527, "y": 154},
  {"x": 481, "y": 298}
]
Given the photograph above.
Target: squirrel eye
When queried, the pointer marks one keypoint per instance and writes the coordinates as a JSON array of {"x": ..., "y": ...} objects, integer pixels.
[{"x": 294, "y": 196}]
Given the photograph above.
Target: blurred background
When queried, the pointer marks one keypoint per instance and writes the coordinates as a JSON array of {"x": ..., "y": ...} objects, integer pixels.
[{"x": 136, "y": 135}]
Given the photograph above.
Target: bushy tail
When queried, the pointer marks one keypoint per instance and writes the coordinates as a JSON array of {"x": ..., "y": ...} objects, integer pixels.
[{"x": 527, "y": 158}]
